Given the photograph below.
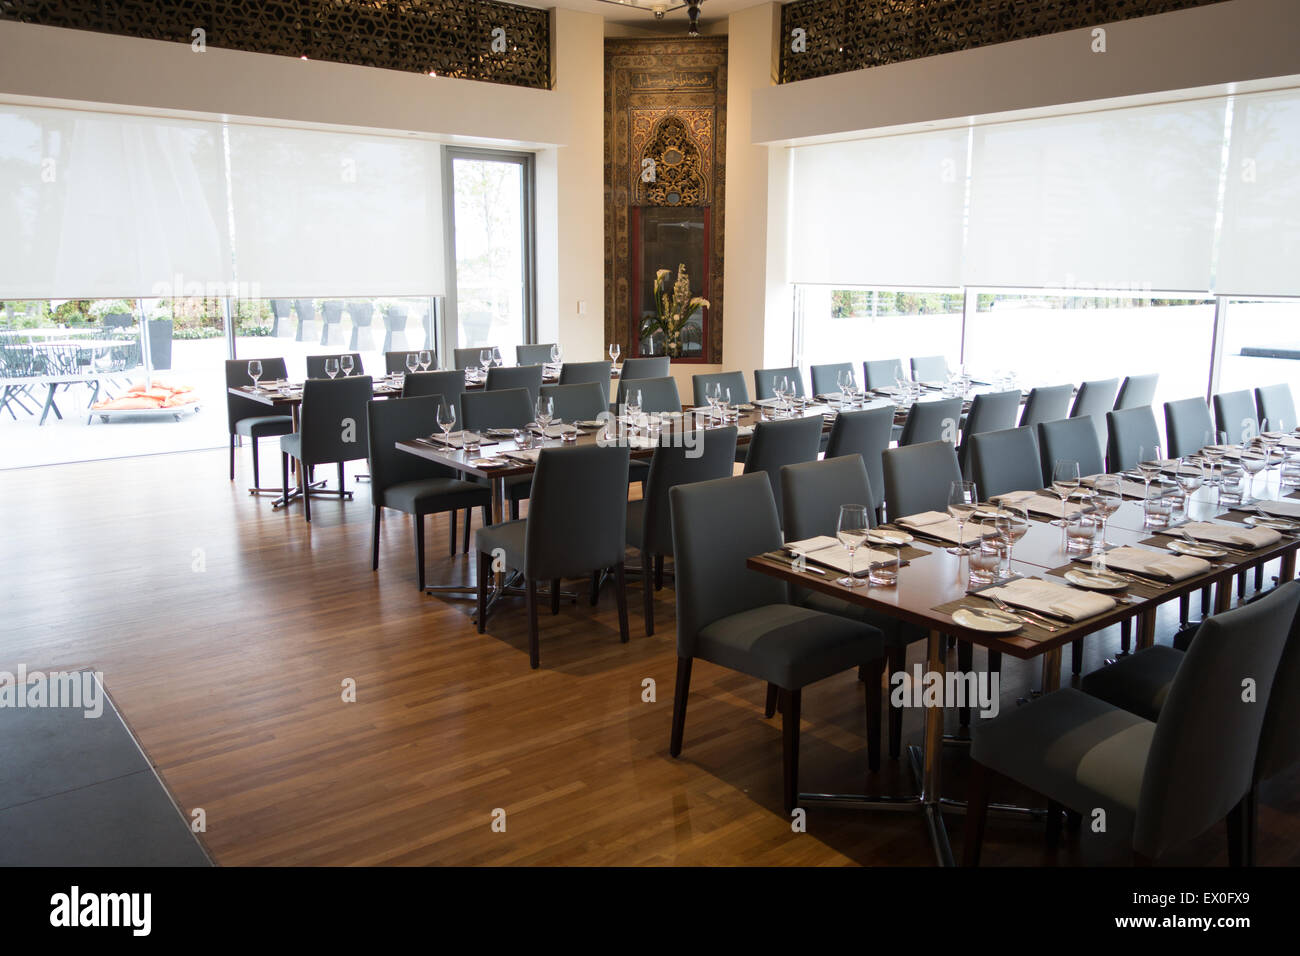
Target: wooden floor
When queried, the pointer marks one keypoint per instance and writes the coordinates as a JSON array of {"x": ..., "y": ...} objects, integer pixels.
[{"x": 225, "y": 631}]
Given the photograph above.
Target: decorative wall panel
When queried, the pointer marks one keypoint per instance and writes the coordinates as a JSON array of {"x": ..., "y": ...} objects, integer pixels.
[
  {"x": 843, "y": 35},
  {"x": 450, "y": 37}
]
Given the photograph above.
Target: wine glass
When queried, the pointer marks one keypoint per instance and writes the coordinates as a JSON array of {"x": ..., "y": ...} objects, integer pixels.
[
  {"x": 962, "y": 501},
  {"x": 1107, "y": 496},
  {"x": 614, "y": 351},
  {"x": 1148, "y": 464},
  {"x": 412, "y": 362},
  {"x": 851, "y": 530},
  {"x": 711, "y": 395},
  {"x": 557, "y": 354},
  {"x": 1190, "y": 477},
  {"x": 632, "y": 403},
  {"x": 255, "y": 371},
  {"x": 446, "y": 419},
  {"x": 331, "y": 367},
  {"x": 724, "y": 403},
  {"x": 345, "y": 363},
  {"x": 496, "y": 357},
  {"x": 485, "y": 360},
  {"x": 1012, "y": 524},
  {"x": 1253, "y": 463},
  {"x": 1065, "y": 481},
  {"x": 545, "y": 411},
  {"x": 426, "y": 359}
]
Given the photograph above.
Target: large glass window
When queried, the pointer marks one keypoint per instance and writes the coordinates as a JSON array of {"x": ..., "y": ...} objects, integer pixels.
[
  {"x": 1261, "y": 344},
  {"x": 838, "y": 325}
]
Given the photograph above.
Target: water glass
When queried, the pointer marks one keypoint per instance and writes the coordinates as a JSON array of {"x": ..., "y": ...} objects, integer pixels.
[
  {"x": 885, "y": 563},
  {"x": 985, "y": 556},
  {"x": 523, "y": 438},
  {"x": 1158, "y": 506},
  {"x": 1081, "y": 532},
  {"x": 472, "y": 441},
  {"x": 1232, "y": 491}
]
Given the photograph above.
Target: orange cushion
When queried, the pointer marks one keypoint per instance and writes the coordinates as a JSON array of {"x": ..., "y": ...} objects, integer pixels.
[{"x": 127, "y": 403}]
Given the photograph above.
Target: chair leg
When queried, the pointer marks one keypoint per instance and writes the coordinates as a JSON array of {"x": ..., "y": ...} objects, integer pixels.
[
  {"x": 769, "y": 706},
  {"x": 484, "y": 570},
  {"x": 374, "y": 538},
  {"x": 875, "y": 675},
  {"x": 451, "y": 517},
  {"x": 555, "y": 596},
  {"x": 469, "y": 518},
  {"x": 977, "y": 811},
  {"x": 1241, "y": 586},
  {"x": 790, "y": 700},
  {"x": 1205, "y": 601},
  {"x": 306, "y": 497},
  {"x": 1259, "y": 577},
  {"x": 342, "y": 482},
  {"x": 679, "y": 705},
  {"x": 897, "y": 664},
  {"x": 965, "y": 663},
  {"x": 620, "y": 597},
  {"x": 659, "y": 572},
  {"x": 232, "y": 453},
  {"x": 647, "y": 593},
  {"x": 1184, "y": 608},
  {"x": 284, "y": 474},
  {"x": 1054, "y": 811},
  {"x": 1076, "y": 657},
  {"x": 595, "y": 586},
  {"x": 514, "y": 509},
  {"x": 418, "y": 525},
  {"x": 1125, "y": 634},
  {"x": 534, "y": 648},
  {"x": 257, "y": 483}
]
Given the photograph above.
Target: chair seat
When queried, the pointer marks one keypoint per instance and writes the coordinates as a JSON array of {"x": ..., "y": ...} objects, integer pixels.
[
  {"x": 429, "y": 495},
  {"x": 893, "y": 631},
  {"x": 1138, "y": 683},
  {"x": 789, "y": 646},
  {"x": 262, "y": 426},
  {"x": 519, "y": 487},
  {"x": 291, "y": 445},
  {"x": 1072, "y": 748},
  {"x": 508, "y": 536}
]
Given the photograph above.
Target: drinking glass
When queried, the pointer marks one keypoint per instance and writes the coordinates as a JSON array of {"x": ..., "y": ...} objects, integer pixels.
[
  {"x": 496, "y": 357},
  {"x": 884, "y": 569},
  {"x": 1289, "y": 476},
  {"x": 712, "y": 393},
  {"x": 962, "y": 501},
  {"x": 345, "y": 363},
  {"x": 331, "y": 367},
  {"x": 633, "y": 407},
  {"x": 1157, "y": 506},
  {"x": 471, "y": 441},
  {"x": 557, "y": 354},
  {"x": 1011, "y": 524},
  {"x": 1107, "y": 496},
  {"x": 1148, "y": 464},
  {"x": 485, "y": 360},
  {"x": 1253, "y": 462},
  {"x": 1230, "y": 483},
  {"x": 614, "y": 351},
  {"x": 446, "y": 418},
  {"x": 1190, "y": 477},
  {"x": 851, "y": 530},
  {"x": 523, "y": 438},
  {"x": 545, "y": 410},
  {"x": 724, "y": 403},
  {"x": 425, "y": 358},
  {"x": 1065, "y": 481},
  {"x": 1081, "y": 532},
  {"x": 986, "y": 554},
  {"x": 412, "y": 362},
  {"x": 255, "y": 371}
]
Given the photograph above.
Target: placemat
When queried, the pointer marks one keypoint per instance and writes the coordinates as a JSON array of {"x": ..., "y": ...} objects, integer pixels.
[
  {"x": 1029, "y": 630},
  {"x": 1143, "y": 590},
  {"x": 1164, "y": 540}
]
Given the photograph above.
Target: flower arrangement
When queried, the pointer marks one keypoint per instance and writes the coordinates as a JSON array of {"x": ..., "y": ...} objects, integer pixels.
[{"x": 674, "y": 308}]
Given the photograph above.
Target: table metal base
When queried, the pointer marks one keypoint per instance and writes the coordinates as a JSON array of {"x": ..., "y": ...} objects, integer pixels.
[{"x": 316, "y": 489}]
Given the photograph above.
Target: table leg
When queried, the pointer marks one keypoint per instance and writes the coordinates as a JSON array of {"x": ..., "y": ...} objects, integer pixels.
[
  {"x": 931, "y": 780},
  {"x": 1146, "y": 629},
  {"x": 1287, "y": 571},
  {"x": 1051, "y": 673}
]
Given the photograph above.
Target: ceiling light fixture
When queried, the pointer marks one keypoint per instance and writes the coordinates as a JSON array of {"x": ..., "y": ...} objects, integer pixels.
[{"x": 660, "y": 8}]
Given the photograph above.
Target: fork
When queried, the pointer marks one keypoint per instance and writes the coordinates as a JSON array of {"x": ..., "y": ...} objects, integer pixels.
[
  {"x": 1186, "y": 536},
  {"x": 1029, "y": 617}
]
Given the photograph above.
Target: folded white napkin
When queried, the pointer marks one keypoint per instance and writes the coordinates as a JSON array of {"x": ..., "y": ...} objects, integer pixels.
[
  {"x": 457, "y": 440},
  {"x": 828, "y": 551},
  {"x": 1283, "y": 509},
  {"x": 552, "y": 431},
  {"x": 1238, "y": 535},
  {"x": 1037, "y": 503},
  {"x": 524, "y": 454},
  {"x": 1156, "y": 564},
  {"x": 1056, "y": 600},
  {"x": 939, "y": 525}
]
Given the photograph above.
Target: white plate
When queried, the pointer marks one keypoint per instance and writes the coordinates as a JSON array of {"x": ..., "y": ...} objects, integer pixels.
[
  {"x": 489, "y": 462},
  {"x": 1094, "y": 580},
  {"x": 985, "y": 622},
  {"x": 1277, "y": 524},
  {"x": 588, "y": 423},
  {"x": 501, "y": 432},
  {"x": 745, "y": 408},
  {"x": 888, "y": 536},
  {"x": 1197, "y": 550}
]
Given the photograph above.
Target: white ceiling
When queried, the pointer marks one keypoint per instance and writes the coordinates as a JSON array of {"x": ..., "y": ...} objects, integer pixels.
[{"x": 674, "y": 22}]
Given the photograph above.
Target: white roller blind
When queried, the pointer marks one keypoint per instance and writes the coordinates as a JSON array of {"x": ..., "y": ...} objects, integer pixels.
[
  {"x": 1259, "y": 250},
  {"x": 1124, "y": 199},
  {"x": 332, "y": 214},
  {"x": 884, "y": 211},
  {"x": 104, "y": 205}
]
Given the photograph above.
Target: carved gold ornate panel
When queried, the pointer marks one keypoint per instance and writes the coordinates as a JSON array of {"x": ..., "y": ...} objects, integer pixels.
[{"x": 665, "y": 111}]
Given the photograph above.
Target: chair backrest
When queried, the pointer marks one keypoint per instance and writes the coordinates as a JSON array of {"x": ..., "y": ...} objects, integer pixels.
[
  {"x": 316, "y": 364},
  {"x": 518, "y": 376},
  {"x": 574, "y": 373},
  {"x": 865, "y": 433},
  {"x": 1279, "y": 740},
  {"x": 1071, "y": 439},
  {"x": 826, "y": 378},
  {"x": 776, "y": 444},
  {"x": 1188, "y": 427},
  {"x": 919, "y": 477},
  {"x": 659, "y": 366},
  {"x": 468, "y": 357},
  {"x": 717, "y": 525},
  {"x": 585, "y": 401},
  {"x": 1137, "y": 391},
  {"x": 534, "y": 354},
  {"x": 577, "y": 511},
  {"x": 333, "y": 420},
  {"x": 306, "y": 309},
  {"x": 763, "y": 378},
  {"x": 450, "y": 385},
  {"x": 395, "y": 362},
  {"x": 400, "y": 419},
  {"x": 395, "y": 312},
  {"x": 813, "y": 491},
  {"x": 331, "y": 311},
  {"x": 1005, "y": 461},
  {"x": 280, "y": 308},
  {"x": 989, "y": 412},
  {"x": 705, "y": 456},
  {"x": 930, "y": 368},
  {"x": 882, "y": 373},
  {"x": 362, "y": 311},
  {"x": 1049, "y": 404},
  {"x": 1094, "y": 400},
  {"x": 1234, "y": 413},
  {"x": 1202, "y": 756},
  {"x": 735, "y": 381},
  {"x": 1275, "y": 405},
  {"x": 504, "y": 408},
  {"x": 1133, "y": 437},
  {"x": 238, "y": 407},
  {"x": 657, "y": 394},
  {"x": 929, "y": 421}
]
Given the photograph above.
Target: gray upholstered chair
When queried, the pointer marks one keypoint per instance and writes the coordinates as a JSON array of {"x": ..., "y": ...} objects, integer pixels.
[
  {"x": 1275, "y": 405},
  {"x": 657, "y": 394},
  {"x": 331, "y": 430},
  {"x": 989, "y": 412},
  {"x": 776, "y": 444},
  {"x": 1188, "y": 427},
  {"x": 708, "y": 455},
  {"x": 533, "y": 354},
  {"x": 660, "y": 366},
  {"x": 575, "y": 373},
  {"x": 577, "y": 523},
  {"x": 395, "y": 318},
  {"x": 1005, "y": 461},
  {"x": 927, "y": 421},
  {"x": 331, "y": 313},
  {"x": 740, "y": 619},
  {"x": 306, "y": 311},
  {"x": 503, "y": 408},
  {"x": 1049, "y": 404},
  {"x": 826, "y": 378},
  {"x": 395, "y": 362},
  {"x": 362, "y": 313},
  {"x": 410, "y": 484},
  {"x": 1133, "y": 437},
  {"x": 865, "y": 432},
  {"x": 249, "y": 419},
  {"x": 1094, "y": 400},
  {"x": 1168, "y": 780},
  {"x": 882, "y": 373},
  {"x": 450, "y": 385},
  {"x": 1070, "y": 439},
  {"x": 700, "y": 384},
  {"x": 281, "y": 312},
  {"x": 812, "y": 493},
  {"x": 1136, "y": 391},
  {"x": 919, "y": 477},
  {"x": 764, "y": 378},
  {"x": 316, "y": 365},
  {"x": 468, "y": 357},
  {"x": 1234, "y": 413},
  {"x": 586, "y": 401},
  {"x": 931, "y": 368},
  {"x": 518, "y": 376}
]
